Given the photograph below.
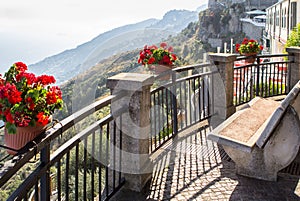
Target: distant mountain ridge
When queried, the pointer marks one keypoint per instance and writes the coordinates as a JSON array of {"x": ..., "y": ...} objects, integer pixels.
[{"x": 70, "y": 63}]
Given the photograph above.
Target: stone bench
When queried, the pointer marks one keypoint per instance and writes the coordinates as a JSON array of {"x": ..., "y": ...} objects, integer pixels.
[{"x": 263, "y": 137}]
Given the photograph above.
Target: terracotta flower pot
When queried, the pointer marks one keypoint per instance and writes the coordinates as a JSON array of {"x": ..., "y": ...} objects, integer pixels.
[
  {"x": 22, "y": 137},
  {"x": 252, "y": 57},
  {"x": 159, "y": 69}
]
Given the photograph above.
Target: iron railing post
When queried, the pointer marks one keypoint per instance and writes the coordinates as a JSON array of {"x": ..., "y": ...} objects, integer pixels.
[
  {"x": 174, "y": 104},
  {"x": 257, "y": 78},
  {"x": 45, "y": 178}
]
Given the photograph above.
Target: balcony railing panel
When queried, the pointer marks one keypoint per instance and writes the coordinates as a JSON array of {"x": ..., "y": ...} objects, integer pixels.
[
  {"x": 268, "y": 77},
  {"x": 83, "y": 167},
  {"x": 180, "y": 103}
]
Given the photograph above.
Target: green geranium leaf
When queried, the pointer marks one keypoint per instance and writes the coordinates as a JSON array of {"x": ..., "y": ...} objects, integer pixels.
[{"x": 11, "y": 128}]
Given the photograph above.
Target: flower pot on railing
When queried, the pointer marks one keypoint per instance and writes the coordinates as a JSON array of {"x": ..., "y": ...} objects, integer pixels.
[
  {"x": 249, "y": 48},
  {"x": 26, "y": 100},
  {"x": 21, "y": 137},
  {"x": 250, "y": 57},
  {"x": 159, "y": 69},
  {"x": 158, "y": 59}
]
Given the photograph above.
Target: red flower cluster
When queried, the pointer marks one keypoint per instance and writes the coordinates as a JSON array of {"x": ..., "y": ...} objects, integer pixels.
[
  {"x": 11, "y": 93},
  {"x": 42, "y": 118},
  {"x": 26, "y": 99},
  {"x": 154, "y": 55},
  {"x": 248, "y": 46},
  {"x": 20, "y": 66}
]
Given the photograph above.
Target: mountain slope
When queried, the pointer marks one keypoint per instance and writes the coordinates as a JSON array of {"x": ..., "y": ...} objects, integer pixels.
[
  {"x": 189, "y": 45},
  {"x": 72, "y": 62}
]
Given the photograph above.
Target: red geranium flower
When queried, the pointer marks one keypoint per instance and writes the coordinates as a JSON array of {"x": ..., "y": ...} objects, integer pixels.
[
  {"x": 248, "y": 46},
  {"x": 154, "y": 55},
  {"x": 30, "y": 103},
  {"x": 8, "y": 116},
  {"x": 26, "y": 99},
  {"x": 51, "y": 98},
  {"x": 11, "y": 93},
  {"x": 45, "y": 79},
  {"x": 30, "y": 77},
  {"x": 20, "y": 66},
  {"x": 151, "y": 60},
  {"x": 163, "y": 45},
  {"x": 42, "y": 119}
]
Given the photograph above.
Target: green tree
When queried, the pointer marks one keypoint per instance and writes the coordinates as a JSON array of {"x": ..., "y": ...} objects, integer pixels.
[{"x": 294, "y": 37}]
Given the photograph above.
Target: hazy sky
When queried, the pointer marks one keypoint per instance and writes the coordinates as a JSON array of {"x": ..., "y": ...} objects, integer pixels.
[{"x": 33, "y": 29}]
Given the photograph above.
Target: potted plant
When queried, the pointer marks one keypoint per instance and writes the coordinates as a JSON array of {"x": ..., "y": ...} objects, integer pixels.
[
  {"x": 27, "y": 103},
  {"x": 249, "y": 48},
  {"x": 158, "y": 59}
]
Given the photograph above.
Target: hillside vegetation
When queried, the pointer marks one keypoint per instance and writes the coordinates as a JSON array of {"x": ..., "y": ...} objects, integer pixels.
[
  {"x": 189, "y": 45},
  {"x": 75, "y": 61}
]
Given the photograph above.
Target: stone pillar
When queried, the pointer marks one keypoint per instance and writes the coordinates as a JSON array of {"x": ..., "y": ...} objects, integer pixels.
[
  {"x": 294, "y": 55},
  {"x": 135, "y": 164},
  {"x": 223, "y": 85}
]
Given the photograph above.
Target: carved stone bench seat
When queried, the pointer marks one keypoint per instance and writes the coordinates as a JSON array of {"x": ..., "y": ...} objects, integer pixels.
[{"x": 263, "y": 137}]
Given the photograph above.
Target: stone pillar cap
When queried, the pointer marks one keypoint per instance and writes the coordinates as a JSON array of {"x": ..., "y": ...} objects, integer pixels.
[
  {"x": 130, "y": 81},
  {"x": 223, "y": 57},
  {"x": 293, "y": 49}
]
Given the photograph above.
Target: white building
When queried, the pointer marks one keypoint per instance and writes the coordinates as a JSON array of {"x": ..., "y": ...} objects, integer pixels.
[
  {"x": 282, "y": 17},
  {"x": 254, "y": 24}
]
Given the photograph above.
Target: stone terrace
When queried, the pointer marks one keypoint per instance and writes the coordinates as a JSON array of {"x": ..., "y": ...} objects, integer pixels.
[{"x": 193, "y": 168}]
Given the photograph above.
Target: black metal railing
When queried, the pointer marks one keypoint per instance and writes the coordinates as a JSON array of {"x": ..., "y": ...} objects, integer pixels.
[
  {"x": 268, "y": 76},
  {"x": 84, "y": 167},
  {"x": 182, "y": 101}
]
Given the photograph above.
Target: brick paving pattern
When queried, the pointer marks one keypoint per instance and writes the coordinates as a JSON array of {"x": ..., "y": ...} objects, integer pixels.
[{"x": 194, "y": 168}]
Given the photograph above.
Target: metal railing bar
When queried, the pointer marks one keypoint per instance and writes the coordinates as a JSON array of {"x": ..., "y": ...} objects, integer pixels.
[
  {"x": 120, "y": 149},
  {"x": 78, "y": 138},
  {"x": 76, "y": 172},
  {"x": 85, "y": 141},
  {"x": 67, "y": 176},
  {"x": 114, "y": 153},
  {"x": 93, "y": 167},
  {"x": 160, "y": 126},
  {"x": 116, "y": 189},
  {"x": 29, "y": 182},
  {"x": 191, "y": 67},
  {"x": 36, "y": 192},
  {"x": 262, "y": 56},
  {"x": 197, "y": 75},
  {"x": 106, "y": 158},
  {"x": 155, "y": 122},
  {"x": 167, "y": 110},
  {"x": 174, "y": 104},
  {"x": 58, "y": 167},
  {"x": 99, "y": 156},
  {"x": 183, "y": 79},
  {"x": 194, "y": 99},
  {"x": 181, "y": 104}
]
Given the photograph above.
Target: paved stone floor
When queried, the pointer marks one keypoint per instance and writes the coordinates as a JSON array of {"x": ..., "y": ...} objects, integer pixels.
[{"x": 193, "y": 168}]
